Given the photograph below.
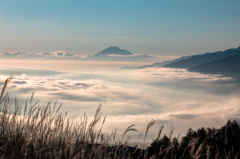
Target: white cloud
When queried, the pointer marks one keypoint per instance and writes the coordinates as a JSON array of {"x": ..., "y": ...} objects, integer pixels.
[
  {"x": 61, "y": 54},
  {"x": 170, "y": 96}
]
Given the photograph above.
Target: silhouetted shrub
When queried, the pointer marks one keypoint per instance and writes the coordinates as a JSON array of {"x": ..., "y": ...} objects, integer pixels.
[{"x": 202, "y": 143}]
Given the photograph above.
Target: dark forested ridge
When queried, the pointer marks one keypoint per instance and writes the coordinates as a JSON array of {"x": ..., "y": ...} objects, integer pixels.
[
  {"x": 203, "y": 58},
  {"x": 228, "y": 66}
]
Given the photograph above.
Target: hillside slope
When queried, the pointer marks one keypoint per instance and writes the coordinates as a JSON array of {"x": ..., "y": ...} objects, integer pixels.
[
  {"x": 228, "y": 66},
  {"x": 203, "y": 58}
]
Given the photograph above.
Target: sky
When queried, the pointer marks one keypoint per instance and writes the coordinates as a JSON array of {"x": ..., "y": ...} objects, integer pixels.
[{"x": 154, "y": 27}]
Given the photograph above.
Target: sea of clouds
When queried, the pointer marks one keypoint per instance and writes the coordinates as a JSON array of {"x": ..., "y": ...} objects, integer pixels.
[{"x": 172, "y": 97}]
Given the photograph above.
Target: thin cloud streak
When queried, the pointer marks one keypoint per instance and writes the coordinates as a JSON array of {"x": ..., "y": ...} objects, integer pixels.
[{"x": 62, "y": 55}]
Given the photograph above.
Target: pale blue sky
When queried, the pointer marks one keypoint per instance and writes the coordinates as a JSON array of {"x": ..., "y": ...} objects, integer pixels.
[{"x": 160, "y": 27}]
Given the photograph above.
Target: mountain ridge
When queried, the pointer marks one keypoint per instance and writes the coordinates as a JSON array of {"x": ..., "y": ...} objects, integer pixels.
[
  {"x": 203, "y": 58},
  {"x": 160, "y": 64},
  {"x": 227, "y": 66}
]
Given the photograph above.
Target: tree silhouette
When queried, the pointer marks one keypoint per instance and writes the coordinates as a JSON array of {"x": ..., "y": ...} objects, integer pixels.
[{"x": 203, "y": 143}]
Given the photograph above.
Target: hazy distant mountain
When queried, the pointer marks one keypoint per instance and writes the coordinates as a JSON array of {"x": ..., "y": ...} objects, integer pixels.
[
  {"x": 228, "y": 66},
  {"x": 114, "y": 53},
  {"x": 112, "y": 50},
  {"x": 203, "y": 58},
  {"x": 158, "y": 64}
]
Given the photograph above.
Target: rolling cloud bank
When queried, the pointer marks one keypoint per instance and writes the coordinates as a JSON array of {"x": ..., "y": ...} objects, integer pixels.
[{"x": 172, "y": 96}]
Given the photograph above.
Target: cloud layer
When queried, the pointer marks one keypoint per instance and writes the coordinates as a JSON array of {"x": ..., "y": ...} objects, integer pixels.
[
  {"x": 52, "y": 54},
  {"x": 170, "y": 96},
  {"x": 68, "y": 56}
]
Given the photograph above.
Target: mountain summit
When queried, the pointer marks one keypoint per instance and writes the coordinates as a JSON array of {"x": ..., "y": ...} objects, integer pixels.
[{"x": 113, "y": 50}]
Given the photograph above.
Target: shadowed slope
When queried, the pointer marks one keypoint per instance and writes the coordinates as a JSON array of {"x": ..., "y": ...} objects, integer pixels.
[
  {"x": 228, "y": 66},
  {"x": 203, "y": 58}
]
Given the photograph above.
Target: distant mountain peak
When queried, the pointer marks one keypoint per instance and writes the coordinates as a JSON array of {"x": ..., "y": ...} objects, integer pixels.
[
  {"x": 114, "y": 47},
  {"x": 113, "y": 50}
]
